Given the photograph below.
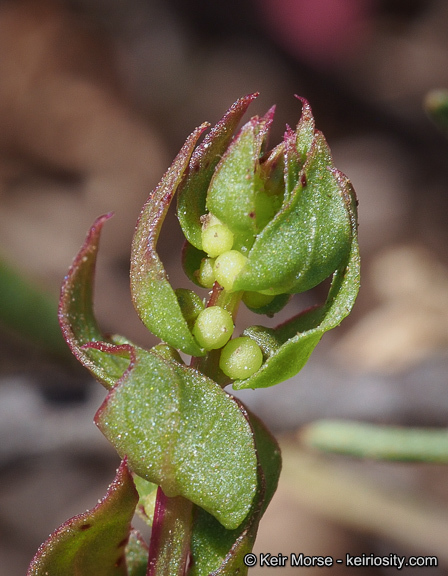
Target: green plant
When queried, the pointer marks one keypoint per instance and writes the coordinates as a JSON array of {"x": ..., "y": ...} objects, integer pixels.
[{"x": 196, "y": 464}]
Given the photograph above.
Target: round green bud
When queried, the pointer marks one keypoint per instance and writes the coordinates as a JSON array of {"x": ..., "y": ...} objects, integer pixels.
[
  {"x": 205, "y": 274},
  {"x": 216, "y": 239},
  {"x": 227, "y": 267},
  {"x": 241, "y": 358},
  {"x": 256, "y": 299},
  {"x": 190, "y": 304},
  {"x": 213, "y": 328}
]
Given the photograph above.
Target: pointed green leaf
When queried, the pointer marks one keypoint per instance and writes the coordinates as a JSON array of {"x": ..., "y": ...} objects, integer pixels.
[
  {"x": 292, "y": 163},
  {"x": 234, "y": 189},
  {"x": 193, "y": 190},
  {"x": 308, "y": 239},
  {"x": 76, "y": 315},
  {"x": 217, "y": 551},
  {"x": 93, "y": 542},
  {"x": 297, "y": 147},
  {"x": 154, "y": 299},
  {"x": 176, "y": 426},
  {"x": 147, "y": 492},
  {"x": 288, "y": 347}
]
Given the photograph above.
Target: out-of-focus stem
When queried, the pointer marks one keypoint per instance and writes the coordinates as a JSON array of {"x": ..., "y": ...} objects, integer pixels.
[
  {"x": 170, "y": 538},
  {"x": 378, "y": 442}
]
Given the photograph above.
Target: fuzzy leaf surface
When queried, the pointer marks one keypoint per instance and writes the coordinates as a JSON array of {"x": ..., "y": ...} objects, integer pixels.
[
  {"x": 181, "y": 431},
  {"x": 93, "y": 542},
  {"x": 217, "y": 551},
  {"x": 154, "y": 298},
  {"x": 193, "y": 190}
]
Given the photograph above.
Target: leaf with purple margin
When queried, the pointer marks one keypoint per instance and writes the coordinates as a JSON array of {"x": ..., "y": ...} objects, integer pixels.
[
  {"x": 93, "y": 542},
  {"x": 154, "y": 298},
  {"x": 235, "y": 188},
  {"x": 76, "y": 316}
]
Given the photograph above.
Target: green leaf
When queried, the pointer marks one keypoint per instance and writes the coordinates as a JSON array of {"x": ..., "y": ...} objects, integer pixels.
[
  {"x": 193, "y": 190},
  {"x": 136, "y": 555},
  {"x": 288, "y": 347},
  {"x": 176, "y": 426},
  {"x": 235, "y": 186},
  {"x": 93, "y": 542},
  {"x": 217, "y": 551},
  {"x": 154, "y": 299},
  {"x": 308, "y": 239},
  {"x": 292, "y": 163},
  {"x": 76, "y": 316}
]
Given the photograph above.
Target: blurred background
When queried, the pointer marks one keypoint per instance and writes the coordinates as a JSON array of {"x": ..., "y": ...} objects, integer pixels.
[{"x": 96, "y": 98}]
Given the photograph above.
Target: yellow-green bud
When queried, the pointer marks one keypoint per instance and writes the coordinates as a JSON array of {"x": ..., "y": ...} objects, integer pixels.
[
  {"x": 205, "y": 274},
  {"x": 241, "y": 358},
  {"x": 227, "y": 267},
  {"x": 216, "y": 239},
  {"x": 213, "y": 328}
]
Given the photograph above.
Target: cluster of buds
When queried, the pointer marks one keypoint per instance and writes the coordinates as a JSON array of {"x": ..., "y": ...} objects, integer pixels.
[{"x": 260, "y": 226}]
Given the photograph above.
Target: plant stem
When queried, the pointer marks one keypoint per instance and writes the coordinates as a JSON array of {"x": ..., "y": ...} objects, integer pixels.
[
  {"x": 171, "y": 530},
  {"x": 170, "y": 538}
]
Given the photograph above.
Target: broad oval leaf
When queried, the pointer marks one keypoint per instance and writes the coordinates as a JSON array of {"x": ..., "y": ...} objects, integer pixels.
[
  {"x": 93, "y": 542},
  {"x": 76, "y": 316},
  {"x": 193, "y": 189},
  {"x": 154, "y": 298},
  {"x": 180, "y": 430}
]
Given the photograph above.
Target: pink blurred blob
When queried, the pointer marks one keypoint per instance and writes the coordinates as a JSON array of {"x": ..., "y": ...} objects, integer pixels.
[{"x": 321, "y": 32}]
